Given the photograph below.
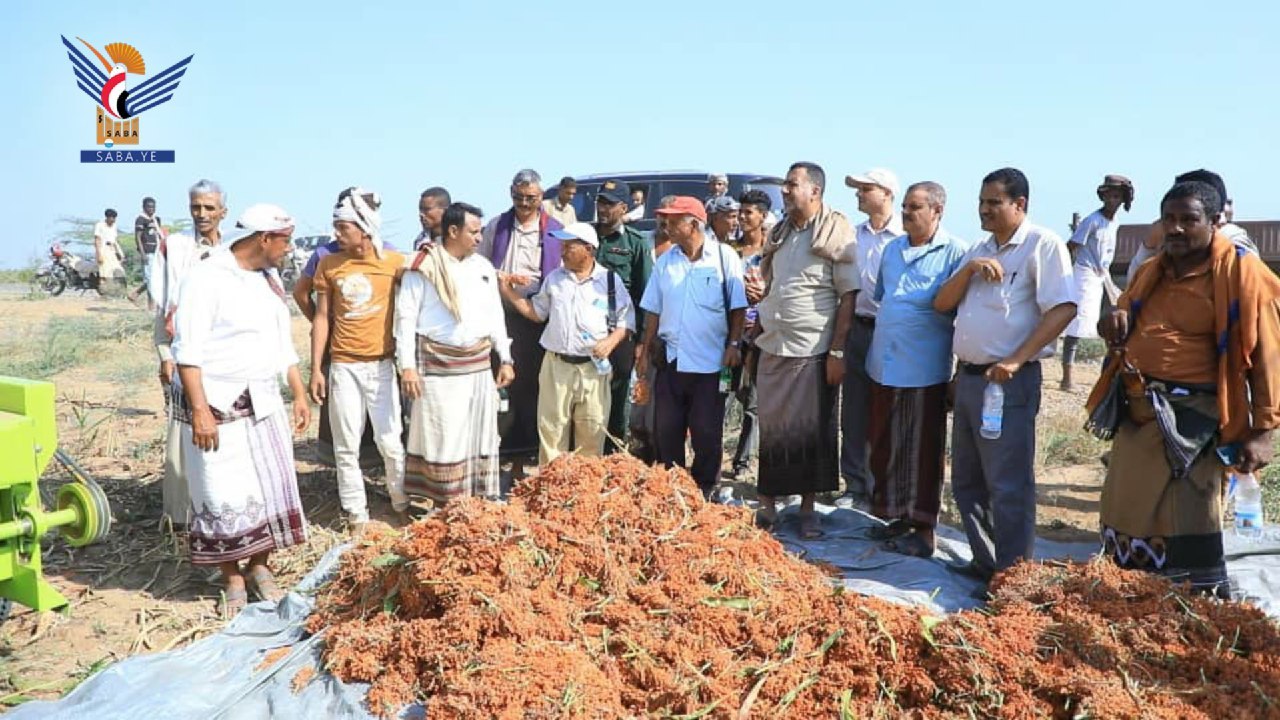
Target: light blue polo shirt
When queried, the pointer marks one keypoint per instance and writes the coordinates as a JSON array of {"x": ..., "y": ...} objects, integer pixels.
[
  {"x": 688, "y": 297},
  {"x": 911, "y": 345}
]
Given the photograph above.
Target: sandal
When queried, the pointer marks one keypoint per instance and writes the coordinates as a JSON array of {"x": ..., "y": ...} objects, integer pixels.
[
  {"x": 910, "y": 544},
  {"x": 232, "y": 602},
  {"x": 810, "y": 527},
  {"x": 263, "y": 584},
  {"x": 894, "y": 528}
]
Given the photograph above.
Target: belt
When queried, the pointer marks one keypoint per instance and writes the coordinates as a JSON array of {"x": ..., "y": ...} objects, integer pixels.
[
  {"x": 865, "y": 320},
  {"x": 974, "y": 369},
  {"x": 574, "y": 359}
]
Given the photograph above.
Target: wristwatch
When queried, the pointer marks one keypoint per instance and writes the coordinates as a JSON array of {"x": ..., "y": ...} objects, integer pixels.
[
  {"x": 736, "y": 344},
  {"x": 837, "y": 354}
]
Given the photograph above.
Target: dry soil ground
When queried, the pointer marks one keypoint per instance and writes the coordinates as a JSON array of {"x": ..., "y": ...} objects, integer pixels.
[{"x": 135, "y": 593}]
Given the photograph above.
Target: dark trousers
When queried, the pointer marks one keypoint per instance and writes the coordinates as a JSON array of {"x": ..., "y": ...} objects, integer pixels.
[
  {"x": 744, "y": 393},
  {"x": 994, "y": 481},
  {"x": 623, "y": 360},
  {"x": 690, "y": 403},
  {"x": 519, "y": 426},
  {"x": 855, "y": 408}
]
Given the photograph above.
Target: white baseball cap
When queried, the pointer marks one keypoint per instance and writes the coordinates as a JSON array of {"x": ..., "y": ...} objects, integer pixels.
[
  {"x": 875, "y": 176},
  {"x": 580, "y": 231},
  {"x": 263, "y": 217}
]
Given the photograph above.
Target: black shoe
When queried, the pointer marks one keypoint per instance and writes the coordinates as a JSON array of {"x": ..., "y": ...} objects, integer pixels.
[{"x": 973, "y": 570}]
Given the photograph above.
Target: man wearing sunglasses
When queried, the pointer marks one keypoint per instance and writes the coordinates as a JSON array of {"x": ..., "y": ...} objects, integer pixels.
[{"x": 520, "y": 244}]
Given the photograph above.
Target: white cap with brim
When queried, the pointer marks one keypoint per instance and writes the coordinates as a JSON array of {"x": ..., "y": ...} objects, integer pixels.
[
  {"x": 875, "y": 176},
  {"x": 580, "y": 231},
  {"x": 263, "y": 217}
]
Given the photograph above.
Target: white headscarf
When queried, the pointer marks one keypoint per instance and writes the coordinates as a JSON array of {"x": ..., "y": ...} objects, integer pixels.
[{"x": 360, "y": 206}]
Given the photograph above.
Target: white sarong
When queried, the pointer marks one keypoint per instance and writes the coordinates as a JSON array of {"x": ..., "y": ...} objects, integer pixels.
[
  {"x": 1088, "y": 286},
  {"x": 244, "y": 495}
]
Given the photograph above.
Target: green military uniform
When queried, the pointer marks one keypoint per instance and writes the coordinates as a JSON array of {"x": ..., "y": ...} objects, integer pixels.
[{"x": 626, "y": 253}]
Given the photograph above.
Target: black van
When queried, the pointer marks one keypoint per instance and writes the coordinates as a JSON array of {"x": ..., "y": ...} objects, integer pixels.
[{"x": 657, "y": 185}]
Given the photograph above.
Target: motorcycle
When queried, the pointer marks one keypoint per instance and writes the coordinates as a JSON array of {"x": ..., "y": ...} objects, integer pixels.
[{"x": 66, "y": 269}]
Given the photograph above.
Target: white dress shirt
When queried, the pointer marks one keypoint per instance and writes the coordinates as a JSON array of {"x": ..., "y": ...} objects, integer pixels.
[
  {"x": 867, "y": 249},
  {"x": 234, "y": 327},
  {"x": 573, "y": 308},
  {"x": 420, "y": 311},
  {"x": 994, "y": 319}
]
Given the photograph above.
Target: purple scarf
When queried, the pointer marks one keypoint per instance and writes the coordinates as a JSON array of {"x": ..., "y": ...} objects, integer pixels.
[{"x": 550, "y": 246}]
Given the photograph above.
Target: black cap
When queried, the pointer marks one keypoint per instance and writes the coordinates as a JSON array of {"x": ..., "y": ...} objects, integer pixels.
[
  {"x": 615, "y": 191},
  {"x": 1207, "y": 177}
]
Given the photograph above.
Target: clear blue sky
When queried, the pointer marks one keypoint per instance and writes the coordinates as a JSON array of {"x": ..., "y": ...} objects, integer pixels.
[{"x": 290, "y": 102}]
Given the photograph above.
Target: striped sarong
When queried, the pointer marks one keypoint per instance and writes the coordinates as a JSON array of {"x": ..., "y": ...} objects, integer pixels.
[
  {"x": 453, "y": 430},
  {"x": 908, "y": 452},
  {"x": 244, "y": 495},
  {"x": 797, "y": 413}
]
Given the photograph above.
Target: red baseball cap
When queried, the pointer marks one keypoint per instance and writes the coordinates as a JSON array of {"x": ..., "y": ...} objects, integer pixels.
[{"x": 685, "y": 205}]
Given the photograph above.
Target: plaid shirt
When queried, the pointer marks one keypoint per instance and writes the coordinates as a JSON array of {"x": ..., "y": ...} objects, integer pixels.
[{"x": 752, "y": 278}]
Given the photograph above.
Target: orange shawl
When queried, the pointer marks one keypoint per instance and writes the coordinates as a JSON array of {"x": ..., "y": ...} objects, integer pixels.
[{"x": 1245, "y": 294}]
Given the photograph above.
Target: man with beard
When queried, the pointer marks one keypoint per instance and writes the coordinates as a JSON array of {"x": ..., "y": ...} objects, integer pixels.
[
  {"x": 1224, "y": 222},
  {"x": 1193, "y": 343},
  {"x": 519, "y": 243},
  {"x": 448, "y": 321},
  {"x": 622, "y": 250},
  {"x": 804, "y": 321}
]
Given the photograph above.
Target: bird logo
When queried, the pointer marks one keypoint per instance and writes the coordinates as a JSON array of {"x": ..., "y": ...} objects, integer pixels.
[{"x": 106, "y": 85}]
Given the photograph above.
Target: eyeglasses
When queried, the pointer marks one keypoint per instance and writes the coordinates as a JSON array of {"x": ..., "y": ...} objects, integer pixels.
[{"x": 526, "y": 199}]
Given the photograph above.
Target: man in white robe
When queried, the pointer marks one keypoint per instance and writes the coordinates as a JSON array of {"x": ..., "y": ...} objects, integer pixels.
[
  {"x": 448, "y": 321},
  {"x": 232, "y": 346}
]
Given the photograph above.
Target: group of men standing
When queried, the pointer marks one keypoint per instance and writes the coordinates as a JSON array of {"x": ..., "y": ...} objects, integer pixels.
[{"x": 518, "y": 338}]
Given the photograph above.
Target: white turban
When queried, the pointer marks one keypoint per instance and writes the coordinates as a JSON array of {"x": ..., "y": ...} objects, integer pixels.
[{"x": 360, "y": 206}]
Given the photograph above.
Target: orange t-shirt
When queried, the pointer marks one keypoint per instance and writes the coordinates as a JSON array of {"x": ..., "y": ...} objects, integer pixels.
[{"x": 361, "y": 294}]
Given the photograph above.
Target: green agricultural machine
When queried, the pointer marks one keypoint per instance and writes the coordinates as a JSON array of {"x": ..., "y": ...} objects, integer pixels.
[{"x": 28, "y": 442}]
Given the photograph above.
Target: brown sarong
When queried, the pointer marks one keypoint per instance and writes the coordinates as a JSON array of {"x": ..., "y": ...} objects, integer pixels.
[
  {"x": 797, "y": 412},
  {"x": 908, "y": 452},
  {"x": 1153, "y": 521}
]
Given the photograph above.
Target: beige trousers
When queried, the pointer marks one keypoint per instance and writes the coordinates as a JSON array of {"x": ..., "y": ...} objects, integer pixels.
[{"x": 572, "y": 398}]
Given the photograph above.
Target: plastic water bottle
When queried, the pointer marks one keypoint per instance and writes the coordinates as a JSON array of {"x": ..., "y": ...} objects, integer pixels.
[
  {"x": 1249, "y": 520},
  {"x": 726, "y": 380},
  {"x": 992, "y": 411},
  {"x": 603, "y": 366}
]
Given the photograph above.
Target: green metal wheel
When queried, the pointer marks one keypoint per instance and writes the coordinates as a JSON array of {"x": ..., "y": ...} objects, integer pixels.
[{"x": 93, "y": 513}]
